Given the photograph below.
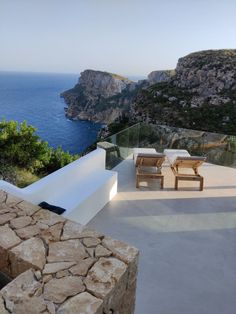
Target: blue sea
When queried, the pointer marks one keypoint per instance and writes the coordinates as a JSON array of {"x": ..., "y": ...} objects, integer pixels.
[{"x": 35, "y": 97}]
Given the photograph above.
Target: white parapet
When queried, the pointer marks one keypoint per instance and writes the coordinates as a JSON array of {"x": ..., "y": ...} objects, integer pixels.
[{"x": 83, "y": 187}]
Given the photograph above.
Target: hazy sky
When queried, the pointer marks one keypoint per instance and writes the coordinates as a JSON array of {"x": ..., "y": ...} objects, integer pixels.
[{"x": 129, "y": 37}]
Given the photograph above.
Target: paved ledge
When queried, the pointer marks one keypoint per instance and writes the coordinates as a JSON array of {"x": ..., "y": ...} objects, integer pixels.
[{"x": 59, "y": 266}]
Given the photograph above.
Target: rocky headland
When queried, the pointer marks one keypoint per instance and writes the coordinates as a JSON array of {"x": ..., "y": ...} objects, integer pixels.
[
  {"x": 200, "y": 94},
  {"x": 98, "y": 96},
  {"x": 105, "y": 97}
]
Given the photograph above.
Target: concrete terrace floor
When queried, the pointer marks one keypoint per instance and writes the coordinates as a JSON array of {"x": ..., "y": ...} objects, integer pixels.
[{"x": 186, "y": 238}]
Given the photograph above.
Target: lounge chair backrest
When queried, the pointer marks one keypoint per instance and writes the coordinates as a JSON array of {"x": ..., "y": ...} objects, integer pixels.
[
  {"x": 150, "y": 160},
  {"x": 189, "y": 162}
]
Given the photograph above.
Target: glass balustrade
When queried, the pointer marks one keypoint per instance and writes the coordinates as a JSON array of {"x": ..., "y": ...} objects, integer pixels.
[{"x": 219, "y": 149}]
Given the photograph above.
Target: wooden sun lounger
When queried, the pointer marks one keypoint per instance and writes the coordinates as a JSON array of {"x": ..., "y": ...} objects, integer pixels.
[
  {"x": 191, "y": 162},
  {"x": 148, "y": 166}
]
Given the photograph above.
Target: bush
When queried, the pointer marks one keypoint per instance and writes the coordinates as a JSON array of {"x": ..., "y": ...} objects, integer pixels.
[{"x": 21, "y": 148}]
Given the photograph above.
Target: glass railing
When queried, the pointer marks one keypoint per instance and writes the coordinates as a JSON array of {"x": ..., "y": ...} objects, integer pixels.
[{"x": 218, "y": 148}]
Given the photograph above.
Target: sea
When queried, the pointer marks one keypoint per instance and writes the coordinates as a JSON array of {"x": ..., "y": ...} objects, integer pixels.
[{"x": 35, "y": 98}]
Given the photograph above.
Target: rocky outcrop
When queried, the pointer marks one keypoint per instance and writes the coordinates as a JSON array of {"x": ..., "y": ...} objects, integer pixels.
[
  {"x": 160, "y": 76},
  {"x": 201, "y": 94},
  {"x": 98, "y": 96},
  {"x": 203, "y": 86},
  {"x": 210, "y": 75},
  {"x": 105, "y": 97}
]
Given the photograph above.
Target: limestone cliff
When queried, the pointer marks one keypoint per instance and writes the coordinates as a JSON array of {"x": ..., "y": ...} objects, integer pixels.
[
  {"x": 160, "y": 76},
  {"x": 104, "y": 97},
  {"x": 201, "y": 94},
  {"x": 99, "y": 96}
]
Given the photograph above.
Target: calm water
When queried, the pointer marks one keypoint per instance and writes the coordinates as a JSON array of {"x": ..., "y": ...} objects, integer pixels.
[{"x": 36, "y": 99}]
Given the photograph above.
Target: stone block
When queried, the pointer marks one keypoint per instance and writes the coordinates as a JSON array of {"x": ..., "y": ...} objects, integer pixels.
[
  {"x": 66, "y": 251},
  {"x": 58, "y": 290},
  {"x": 83, "y": 303},
  {"x": 29, "y": 254},
  {"x": 104, "y": 275}
]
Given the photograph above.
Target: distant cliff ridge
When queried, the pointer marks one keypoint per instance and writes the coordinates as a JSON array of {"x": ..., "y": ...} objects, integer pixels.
[
  {"x": 160, "y": 76},
  {"x": 200, "y": 93},
  {"x": 104, "y": 97}
]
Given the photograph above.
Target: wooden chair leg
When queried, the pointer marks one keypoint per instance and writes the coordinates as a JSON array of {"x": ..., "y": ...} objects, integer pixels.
[
  {"x": 176, "y": 183},
  {"x": 137, "y": 182},
  {"x": 162, "y": 183},
  {"x": 201, "y": 184}
]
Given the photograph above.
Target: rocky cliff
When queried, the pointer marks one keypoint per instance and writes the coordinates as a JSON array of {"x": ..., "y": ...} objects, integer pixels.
[
  {"x": 99, "y": 96},
  {"x": 104, "y": 97},
  {"x": 201, "y": 94},
  {"x": 160, "y": 76}
]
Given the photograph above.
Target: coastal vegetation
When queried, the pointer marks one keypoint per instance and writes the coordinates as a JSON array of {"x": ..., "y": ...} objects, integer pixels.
[{"x": 24, "y": 157}]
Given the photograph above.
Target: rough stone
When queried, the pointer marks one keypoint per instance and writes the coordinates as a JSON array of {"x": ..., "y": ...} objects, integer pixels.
[
  {"x": 81, "y": 269},
  {"x": 30, "y": 305},
  {"x": 4, "y": 209},
  {"x": 12, "y": 200},
  {"x": 73, "y": 230},
  {"x": 62, "y": 273},
  {"x": 101, "y": 251},
  {"x": 83, "y": 303},
  {"x": 104, "y": 275},
  {"x": 41, "y": 225},
  {"x": 2, "y": 306},
  {"x": 91, "y": 251},
  {"x": 28, "y": 232},
  {"x": 38, "y": 274},
  {"x": 120, "y": 249},
  {"x": 46, "y": 278},
  {"x": 91, "y": 242},
  {"x": 20, "y": 222},
  {"x": 8, "y": 238},
  {"x": 23, "y": 286},
  {"x": 48, "y": 218},
  {"x": 53, "y": 233},
  {"x": 6, "y": 218},
  {"x": 52, "y": 268},
  {"x": 51, "y": 307},
  {"x": 57, "y": 290},
  {"x": 66, "y": 251},
  {"x": 28, "y": 208},
  {"x": 30, "y": 253}
]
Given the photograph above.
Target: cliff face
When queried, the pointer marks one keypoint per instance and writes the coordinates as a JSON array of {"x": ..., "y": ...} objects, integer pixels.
[
  {"x": 104, "y": 97},
  {"x": 201, "y": 94},
  {"x": 98, "y": 96},
  {"x": 160, "y": 76},
  {"x": 208, "y": 74}
]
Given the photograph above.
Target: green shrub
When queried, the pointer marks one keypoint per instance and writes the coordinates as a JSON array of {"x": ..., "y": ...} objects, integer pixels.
[{"x": 21, "y": 148}]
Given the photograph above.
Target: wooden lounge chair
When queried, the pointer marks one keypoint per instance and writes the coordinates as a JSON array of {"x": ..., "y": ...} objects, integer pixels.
[
  {"x": 188, "y": 162},
  {"x": 148, "y": 166}
]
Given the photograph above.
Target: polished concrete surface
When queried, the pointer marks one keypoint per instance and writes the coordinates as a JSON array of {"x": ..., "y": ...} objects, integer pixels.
[{"x": 186, "y": 238}]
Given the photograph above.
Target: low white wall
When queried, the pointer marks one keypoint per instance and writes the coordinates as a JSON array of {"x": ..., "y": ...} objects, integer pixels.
[{"x": 88, "y": 170}]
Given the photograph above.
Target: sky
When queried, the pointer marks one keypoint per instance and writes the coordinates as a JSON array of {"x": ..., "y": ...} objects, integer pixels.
[{"x": 128, "y": 37}]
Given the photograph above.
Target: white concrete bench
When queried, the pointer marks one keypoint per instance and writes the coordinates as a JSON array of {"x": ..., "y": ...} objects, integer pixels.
[{"x": 83, "y": 187}]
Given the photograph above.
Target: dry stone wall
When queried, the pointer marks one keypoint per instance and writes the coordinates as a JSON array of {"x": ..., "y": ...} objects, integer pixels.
[{"x": 59, "y": 266}]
